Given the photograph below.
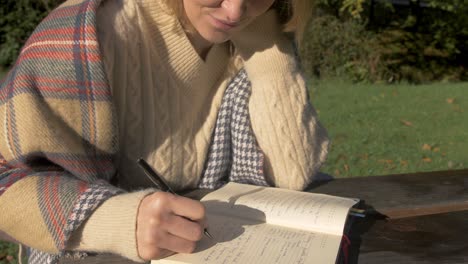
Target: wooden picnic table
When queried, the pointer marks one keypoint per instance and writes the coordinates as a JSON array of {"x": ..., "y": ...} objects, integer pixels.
[{"x": 427, "y": 218}]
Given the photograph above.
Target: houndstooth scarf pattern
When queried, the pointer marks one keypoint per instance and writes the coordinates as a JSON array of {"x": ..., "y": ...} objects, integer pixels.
[
  {"x": 233, "y": 156},
  {"x": 87, "y": 202}
]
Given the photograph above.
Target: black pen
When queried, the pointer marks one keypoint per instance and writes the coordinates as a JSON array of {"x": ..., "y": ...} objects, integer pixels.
[{"x": 161, "y": 183}]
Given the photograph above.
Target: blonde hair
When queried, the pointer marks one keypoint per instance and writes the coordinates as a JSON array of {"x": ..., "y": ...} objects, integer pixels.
[{"x": 293, "y": 14}]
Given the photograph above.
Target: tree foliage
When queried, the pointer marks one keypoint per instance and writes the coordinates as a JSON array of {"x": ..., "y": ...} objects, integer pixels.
[
  {"x": 18, "y": 18},
  {"x": 354, "y": 7},
  {"x": 423, "y": 41}
]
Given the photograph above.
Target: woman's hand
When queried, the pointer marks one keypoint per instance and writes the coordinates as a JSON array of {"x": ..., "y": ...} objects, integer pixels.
[{"x": 168, "y": 224}]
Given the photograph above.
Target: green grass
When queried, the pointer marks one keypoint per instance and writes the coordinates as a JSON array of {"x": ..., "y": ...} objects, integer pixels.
[
  {"x": 8, "y": 253},
  {"x": 388, "y": 129}
]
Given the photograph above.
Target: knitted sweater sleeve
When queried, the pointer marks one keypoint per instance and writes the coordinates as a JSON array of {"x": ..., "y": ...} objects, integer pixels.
[
  {"x": 284, "y": 122},
  {"x": 111, "y": 228}
]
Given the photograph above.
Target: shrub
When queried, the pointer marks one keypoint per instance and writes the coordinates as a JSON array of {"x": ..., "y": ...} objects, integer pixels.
[
  {"x": 18, "y": 18},
  {"x": 333, "y": 48},
  {"x": 413, "y": 43},
  {"x": 412, "y": 56},
  {"x": 428, "y": 44}
]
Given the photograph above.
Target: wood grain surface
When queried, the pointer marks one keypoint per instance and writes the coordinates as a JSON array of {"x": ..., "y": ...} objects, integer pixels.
[{"x": 405, "y": 195}]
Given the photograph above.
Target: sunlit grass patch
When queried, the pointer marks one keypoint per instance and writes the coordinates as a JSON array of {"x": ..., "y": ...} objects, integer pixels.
[{"x": 385, "y": 129}]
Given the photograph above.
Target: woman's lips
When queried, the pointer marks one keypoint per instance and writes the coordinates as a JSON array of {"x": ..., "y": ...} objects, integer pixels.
[{"x": 223, "y": 25}]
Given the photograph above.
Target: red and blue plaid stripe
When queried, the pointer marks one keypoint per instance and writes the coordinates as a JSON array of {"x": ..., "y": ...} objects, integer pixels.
[{"x": 61, "y": 62}]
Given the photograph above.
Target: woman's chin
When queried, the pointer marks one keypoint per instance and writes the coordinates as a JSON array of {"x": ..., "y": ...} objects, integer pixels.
[{"x": 216, "y": 37}]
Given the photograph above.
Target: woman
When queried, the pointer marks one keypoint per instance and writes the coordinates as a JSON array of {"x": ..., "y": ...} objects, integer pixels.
[{"x": 207, "y": 91}]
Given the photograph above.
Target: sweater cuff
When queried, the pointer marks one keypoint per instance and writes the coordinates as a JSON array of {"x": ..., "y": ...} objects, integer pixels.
[{"x": 112, "y": 227}]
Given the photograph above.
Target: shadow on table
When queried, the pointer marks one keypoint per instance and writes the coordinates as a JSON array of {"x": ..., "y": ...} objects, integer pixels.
[
  {"x": 428, "y": 239},
  {"x": 360, "y": 227}
]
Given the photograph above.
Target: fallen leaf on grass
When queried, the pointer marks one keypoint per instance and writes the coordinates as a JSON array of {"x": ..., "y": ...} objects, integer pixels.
[
  {"x": 406, "y": 123},
  {"x": 450, "y": 164},
  {"x": 426, "y": 147},
  {"x": 346, "y": 167},
  {"x": 450, "y": 100},
  {"x": 404, "y": 163},
  {"x": 430, "y": 148},
  {"x": 388, "y": 161},
  {"x": 426, "y": 159},
  {"x": 388, "y": 164}
]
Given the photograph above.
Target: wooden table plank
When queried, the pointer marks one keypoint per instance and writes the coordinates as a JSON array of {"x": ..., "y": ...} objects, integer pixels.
[
  {"x": 440, "y": 238},
  {"x": 405, "y": 195}
]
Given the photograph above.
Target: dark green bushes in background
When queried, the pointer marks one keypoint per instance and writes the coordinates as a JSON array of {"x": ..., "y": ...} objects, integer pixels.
[
  {"x": 18, "y": 18},
  {"x": 342, "y": 49},
  {"x": 360, "y": 40},
  {"x": 377, "y": 41},
  {"x": 429, "y": 44}
]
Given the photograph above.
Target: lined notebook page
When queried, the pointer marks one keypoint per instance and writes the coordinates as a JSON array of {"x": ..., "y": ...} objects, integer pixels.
[
  {"x": 247, "y": 241},
  {"x": 301, "y": 210}
]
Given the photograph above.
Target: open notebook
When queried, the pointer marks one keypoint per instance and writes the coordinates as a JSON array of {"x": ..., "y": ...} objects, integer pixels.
[{"x": 252, "y": 224}]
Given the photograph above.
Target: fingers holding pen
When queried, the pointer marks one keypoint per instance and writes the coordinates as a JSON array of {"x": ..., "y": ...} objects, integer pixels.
[
  {"x": 166, "y": 242},
  {"x": 188, "y": 208},
  {"x": 188, "y": 220},
  {"x": 168, "y": 223},
  {"x": 184, "y": 228}
]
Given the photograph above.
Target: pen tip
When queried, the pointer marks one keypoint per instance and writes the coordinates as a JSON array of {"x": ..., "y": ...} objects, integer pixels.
[{"x": 207, "y": 234}]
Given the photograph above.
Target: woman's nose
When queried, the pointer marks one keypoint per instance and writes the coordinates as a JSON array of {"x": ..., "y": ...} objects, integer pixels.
[{"x": 235, "y": 9}]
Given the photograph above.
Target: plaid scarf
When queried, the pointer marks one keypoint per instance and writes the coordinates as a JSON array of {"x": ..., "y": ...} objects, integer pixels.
[
  {"x": 56, "y": 147},
  {"x": 57, "y": 92}
]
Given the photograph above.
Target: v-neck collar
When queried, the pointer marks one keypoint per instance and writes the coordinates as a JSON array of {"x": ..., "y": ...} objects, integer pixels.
[{"x": 178, "y": 53}]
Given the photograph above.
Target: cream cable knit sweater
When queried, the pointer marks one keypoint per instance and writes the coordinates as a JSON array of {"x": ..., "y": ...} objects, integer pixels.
[{"x": 167, "y": 99}]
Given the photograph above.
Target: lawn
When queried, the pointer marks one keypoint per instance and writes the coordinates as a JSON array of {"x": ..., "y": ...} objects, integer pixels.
[
  {"x": 387, "y": 129},
  {"x": 8, "y": 253}
]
